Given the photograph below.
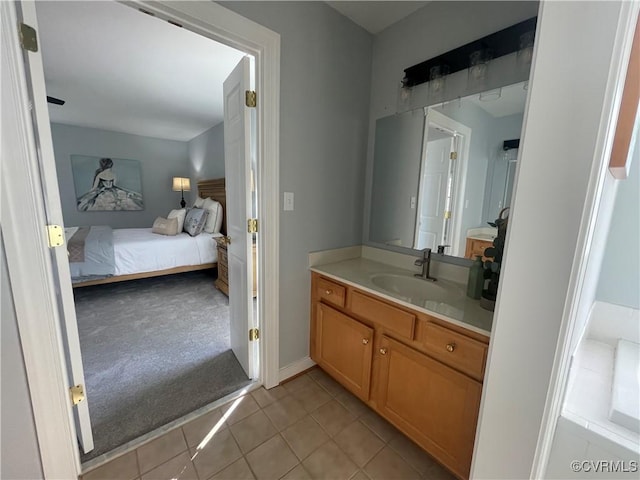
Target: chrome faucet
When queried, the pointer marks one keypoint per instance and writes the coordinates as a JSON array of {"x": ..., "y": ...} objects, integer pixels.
[{"x": 425, "y": 263}]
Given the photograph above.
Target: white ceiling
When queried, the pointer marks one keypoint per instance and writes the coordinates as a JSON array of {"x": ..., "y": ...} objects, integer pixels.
[
  {"x": 121, "y": 70},
  {"x": 511, "y": 101},
  {"x": 376, "y": 16}
]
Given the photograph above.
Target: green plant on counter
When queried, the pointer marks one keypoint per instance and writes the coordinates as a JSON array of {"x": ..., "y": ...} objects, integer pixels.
[{"x": 492, "y": 267}]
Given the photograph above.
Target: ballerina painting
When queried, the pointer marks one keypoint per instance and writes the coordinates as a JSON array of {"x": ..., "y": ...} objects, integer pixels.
[{"x": 115, "y": 185}]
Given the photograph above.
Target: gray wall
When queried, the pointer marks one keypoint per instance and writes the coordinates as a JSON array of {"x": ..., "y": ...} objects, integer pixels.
[
  {"x": 619, "y": 280},
  {"x": 206, "y": 155},
  {"x": 396, "y": 178},
  {"x": 160, "y": 161},
  {"x": 325, "y": 75},
  {"x": 19, "y": 446}
]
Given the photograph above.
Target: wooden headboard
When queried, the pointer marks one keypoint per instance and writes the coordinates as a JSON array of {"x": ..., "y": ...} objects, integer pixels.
[{"x": 215, "y": 189}]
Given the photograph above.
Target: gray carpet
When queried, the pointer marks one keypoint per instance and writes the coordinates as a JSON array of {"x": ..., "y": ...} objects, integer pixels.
[{"x": 153, "y": 350}]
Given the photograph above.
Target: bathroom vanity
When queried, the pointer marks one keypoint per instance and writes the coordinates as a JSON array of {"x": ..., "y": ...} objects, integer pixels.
[{"x": 412, "y": 350}]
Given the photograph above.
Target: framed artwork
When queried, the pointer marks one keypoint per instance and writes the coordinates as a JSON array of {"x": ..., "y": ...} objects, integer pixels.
[{"x": 106, "y": 184}]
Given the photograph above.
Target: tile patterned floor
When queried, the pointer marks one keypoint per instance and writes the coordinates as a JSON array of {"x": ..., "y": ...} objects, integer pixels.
[{"x": 308, "y": 428}]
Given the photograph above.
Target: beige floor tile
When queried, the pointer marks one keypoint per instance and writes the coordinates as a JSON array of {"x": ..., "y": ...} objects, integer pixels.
[
  {"x": 285, "y": 412},
  {"x": 329, "y": 462},
  {"x": 272, "y": 459},
  {"x": 304, "y": 437},
  {"x": 161, "y": 449},
  {"x": 388, "y": 465},
  {"x": 360, "y": 475},
  {"x": 124, "y": 467},
  {"x": 196, "y": 430},
  {"x": 266, "y": 397},
  {"x": 359, "y": 443},
  {"x": 298, "y": 473},
  {"x": 240, "y": 409},
  {"x": 380, "y": 426},
  {"x": 311, "y": 396},
  {"x": 297, "y": 383},
  {"x": 252, "y": 431},
  {"x": 219, "y": 453},
  {"x": 352, "y": 403},
  {"x": 238, "y": 470},
  {"x": 332, "y": 387},
  {"x": 333, "y": 417},
  {"x": 413, "y": 454},
  {"x": 178, "y": 467}
]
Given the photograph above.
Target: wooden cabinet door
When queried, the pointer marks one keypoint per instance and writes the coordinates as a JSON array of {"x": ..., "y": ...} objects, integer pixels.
[
  {"x": 435, "y": 405},
  {"x": 344, "y": 349}
]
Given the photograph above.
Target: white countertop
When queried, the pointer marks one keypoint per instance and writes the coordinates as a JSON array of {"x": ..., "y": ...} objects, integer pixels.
[{"x": 463, "y": 311}]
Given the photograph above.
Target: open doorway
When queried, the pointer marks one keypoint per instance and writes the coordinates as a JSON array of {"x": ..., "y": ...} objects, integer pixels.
[{"x": 153, "y": 348}]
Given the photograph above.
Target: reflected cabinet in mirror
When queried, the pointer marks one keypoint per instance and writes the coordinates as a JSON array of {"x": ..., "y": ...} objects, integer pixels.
[{"x": 440, "y": 173}]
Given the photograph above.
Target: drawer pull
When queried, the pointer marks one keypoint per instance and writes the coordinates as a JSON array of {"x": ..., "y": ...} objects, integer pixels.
[
  {"x": 328, "y": 292},
  {"x": 365, "y": 341},
  {"x": 451, "y": 347},
  {"x": 383, "y": 351}
]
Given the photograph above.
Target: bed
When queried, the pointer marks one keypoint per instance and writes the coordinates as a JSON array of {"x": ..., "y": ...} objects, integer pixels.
[{"x": 132, "y": 253}]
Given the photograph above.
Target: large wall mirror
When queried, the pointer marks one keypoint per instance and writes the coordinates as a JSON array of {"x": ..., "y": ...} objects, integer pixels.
[{"x": 440, "y": 173}]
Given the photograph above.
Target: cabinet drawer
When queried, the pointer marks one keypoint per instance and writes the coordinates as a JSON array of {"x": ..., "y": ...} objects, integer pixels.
[
  {"x": 452, "y": 348},
  {"x": 384, "y": 314},
  {"x": 331, "y": 292}
]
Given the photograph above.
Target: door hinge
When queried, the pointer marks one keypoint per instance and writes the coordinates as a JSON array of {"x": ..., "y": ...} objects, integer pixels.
[
  {"x": 252, "y": 225},
  {"x": 453, "y": 156},
  {"x": 77, "y": 394},
  {"x": 28, "y": 38},
  {"x": 250, "y": 98},
  {"x": 254, "y": 334},
  {"x": 55, "y": 235},
  {"x": 447, "y": 214}
]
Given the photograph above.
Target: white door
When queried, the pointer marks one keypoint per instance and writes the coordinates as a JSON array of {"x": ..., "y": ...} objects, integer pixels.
[
  {"x": 237, "y": 164},
  {"x": 53, "y": 211},
  {"x": 433, "y": 191}
]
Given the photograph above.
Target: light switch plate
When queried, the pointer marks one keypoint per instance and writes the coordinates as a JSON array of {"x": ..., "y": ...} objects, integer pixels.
[{"x": 288, "y": 201}]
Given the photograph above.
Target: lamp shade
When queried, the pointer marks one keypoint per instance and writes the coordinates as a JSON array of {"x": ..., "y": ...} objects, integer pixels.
[{"x": 181, "y": 184}]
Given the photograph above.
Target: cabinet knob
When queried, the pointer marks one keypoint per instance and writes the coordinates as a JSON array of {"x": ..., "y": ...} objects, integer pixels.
[
  {"x": 451, "y": 347},
  {"x": 365, "y": 341},
  {"x": 328, "y": 291},
  {"x": 383, "y": 351}
]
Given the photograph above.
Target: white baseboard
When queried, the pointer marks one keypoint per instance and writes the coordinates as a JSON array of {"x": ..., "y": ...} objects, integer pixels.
[{"x": 295, "y": 368}]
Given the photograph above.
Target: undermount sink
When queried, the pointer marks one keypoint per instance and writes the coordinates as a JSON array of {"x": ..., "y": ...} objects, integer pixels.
[{"x": 416, "y": 290}]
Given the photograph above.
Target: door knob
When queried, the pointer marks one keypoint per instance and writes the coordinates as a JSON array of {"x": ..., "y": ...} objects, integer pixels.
[{"x": 227, "y": 240}]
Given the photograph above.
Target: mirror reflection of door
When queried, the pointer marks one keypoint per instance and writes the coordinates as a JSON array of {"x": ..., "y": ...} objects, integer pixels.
[{"x": 437, "y": 179}]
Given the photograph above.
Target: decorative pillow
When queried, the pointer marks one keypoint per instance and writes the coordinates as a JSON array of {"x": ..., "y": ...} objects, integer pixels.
[
  {"x": 165, "y": 226},
  {"x": 214, "y": 222},
  {"x": 198, "y": 203},
  {"x": 195, "y": 220},
  {"x": 180, "y": 215}
]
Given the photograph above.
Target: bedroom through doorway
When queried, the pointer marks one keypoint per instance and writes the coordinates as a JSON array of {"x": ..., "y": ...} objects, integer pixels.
[{"x": 154, "y": 347}]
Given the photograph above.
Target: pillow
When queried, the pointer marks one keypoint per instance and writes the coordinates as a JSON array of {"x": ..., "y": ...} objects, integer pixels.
[
  {"x": 214, "y": 222},
  {"x": 198, "y": 203},
  {"x": 179, "y": 214},
  {"x": 165, "y": 226},
  {"x": 195, "y": 220}
]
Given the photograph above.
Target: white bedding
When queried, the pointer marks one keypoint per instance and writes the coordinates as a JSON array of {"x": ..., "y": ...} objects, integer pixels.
[{"x": 137, "y": 250}]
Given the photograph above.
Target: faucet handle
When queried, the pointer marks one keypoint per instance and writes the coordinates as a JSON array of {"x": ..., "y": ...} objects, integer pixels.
[
  {"x": 441, "y": 249},
  {"x": 419, "y": 262}
]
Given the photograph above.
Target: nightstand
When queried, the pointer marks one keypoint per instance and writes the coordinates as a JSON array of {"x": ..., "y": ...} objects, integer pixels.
[{"x": 222, "y": 282}]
